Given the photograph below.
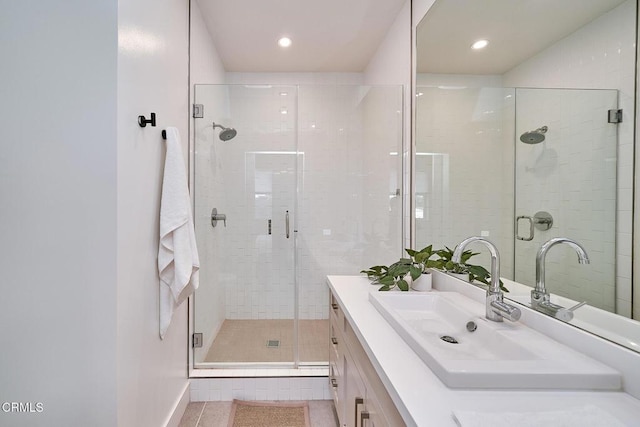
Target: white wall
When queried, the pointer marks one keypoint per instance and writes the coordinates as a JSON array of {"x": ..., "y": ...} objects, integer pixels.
[
  {"x": 391, "y": 64},
  {"x": 152, "y": 76},
  {"x": 84, "y": 182},
  {"x": 419, "y": 9},
  {"x": 205, "y": 67},
  {"x": 58, "y": 215}
]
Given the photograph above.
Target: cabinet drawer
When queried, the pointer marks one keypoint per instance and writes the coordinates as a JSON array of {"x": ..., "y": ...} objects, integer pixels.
[
  {"x": 336, "y": 313},
  {"x": 337, "y": 387}
]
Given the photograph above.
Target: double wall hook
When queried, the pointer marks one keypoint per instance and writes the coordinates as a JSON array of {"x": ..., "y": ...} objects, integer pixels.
[{"x": 143, "y": 121}]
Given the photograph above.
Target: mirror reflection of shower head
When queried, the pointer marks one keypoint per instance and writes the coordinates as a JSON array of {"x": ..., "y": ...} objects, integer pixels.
[
  {"x": 534, "y": 136},
  {"x": 226, "y": 133}
]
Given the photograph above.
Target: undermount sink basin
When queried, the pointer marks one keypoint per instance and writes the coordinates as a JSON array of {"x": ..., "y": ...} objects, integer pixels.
[{"x": 450, "y": 334}]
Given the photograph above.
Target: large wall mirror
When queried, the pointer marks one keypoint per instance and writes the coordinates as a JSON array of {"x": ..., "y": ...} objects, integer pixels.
[{"x": 531, "y": 138}]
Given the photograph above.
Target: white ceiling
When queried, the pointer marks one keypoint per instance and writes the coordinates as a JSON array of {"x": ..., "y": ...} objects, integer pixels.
[
  {"x": 516, "y": 29},
  {"x": 328, "y": 35}
]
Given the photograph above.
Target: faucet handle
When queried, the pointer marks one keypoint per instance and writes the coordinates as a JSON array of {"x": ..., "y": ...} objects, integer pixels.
[
  {"x": 577, "y": 306},
  {"x": 558, "y": 311},
  {"x": 566, "y": 314},
  {"x": 506, "y": 310},
  {"x": 215, "y": 217}
]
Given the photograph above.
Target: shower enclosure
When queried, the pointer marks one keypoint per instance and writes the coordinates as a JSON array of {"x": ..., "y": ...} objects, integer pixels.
[
  {"x": 498, "y": 162},
  {"x": 310, "y": 185}
]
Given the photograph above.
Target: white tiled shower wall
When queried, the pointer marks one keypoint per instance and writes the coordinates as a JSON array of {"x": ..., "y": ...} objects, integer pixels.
[
  {"x": 464, "y": 171},
  {"x": 599, "y": 55},
  {"x": 349, "y": 217}
]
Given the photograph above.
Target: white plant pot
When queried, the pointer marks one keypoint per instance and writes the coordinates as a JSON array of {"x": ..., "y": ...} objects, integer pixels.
[{"x": 422, "y": 283}]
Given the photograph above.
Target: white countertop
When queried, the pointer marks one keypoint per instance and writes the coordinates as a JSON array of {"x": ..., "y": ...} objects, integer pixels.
[{"x": 423, "y": 400}]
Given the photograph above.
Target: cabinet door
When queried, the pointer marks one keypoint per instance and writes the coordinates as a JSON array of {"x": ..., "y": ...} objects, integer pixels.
[
  {"x": 355, "y": 393},
  {"x": 372, "y": 416}
]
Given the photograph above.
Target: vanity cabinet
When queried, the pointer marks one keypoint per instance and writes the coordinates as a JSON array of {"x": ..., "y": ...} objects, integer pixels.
[{"x": 360, "y": 398}]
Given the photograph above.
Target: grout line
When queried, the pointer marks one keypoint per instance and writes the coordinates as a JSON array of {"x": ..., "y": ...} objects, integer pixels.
[{"x": 200, "y": 416}]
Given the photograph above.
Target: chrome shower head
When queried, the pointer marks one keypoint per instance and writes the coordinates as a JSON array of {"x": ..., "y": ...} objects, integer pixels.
[
  {"x": 226, "y": 133},
  {"x": 534, "y": 136}
]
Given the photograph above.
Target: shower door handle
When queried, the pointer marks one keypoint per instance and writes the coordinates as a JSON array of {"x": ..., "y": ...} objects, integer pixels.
[
  {"x": 541, "y": 220},
  {"x": 530, "y": 237},
  {"x": 286, "y": 221}
]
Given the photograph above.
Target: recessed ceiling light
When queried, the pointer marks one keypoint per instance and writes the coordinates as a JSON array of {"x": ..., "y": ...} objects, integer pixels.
[
  {"x": 480, "y": 44},
  {"x": 284, "y": 42}
]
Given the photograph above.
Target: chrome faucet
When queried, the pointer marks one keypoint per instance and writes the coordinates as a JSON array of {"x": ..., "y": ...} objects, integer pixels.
[
  {"x": 540, "y": 298},
  {"x": 496, "y": 308}
]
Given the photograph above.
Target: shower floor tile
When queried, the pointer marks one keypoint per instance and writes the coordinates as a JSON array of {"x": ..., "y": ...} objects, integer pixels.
[{"x": 246, "y": 341}]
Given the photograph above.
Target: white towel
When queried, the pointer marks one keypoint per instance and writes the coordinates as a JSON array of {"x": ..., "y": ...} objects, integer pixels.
[
  {"x": 178, "y": 262},
  {"x": 586, "y": 416}
]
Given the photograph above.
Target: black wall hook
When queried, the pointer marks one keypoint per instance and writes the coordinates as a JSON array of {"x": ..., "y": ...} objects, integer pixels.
[
  {"x": 164, "y": 134},
  {"x": 143, "y": 121}
]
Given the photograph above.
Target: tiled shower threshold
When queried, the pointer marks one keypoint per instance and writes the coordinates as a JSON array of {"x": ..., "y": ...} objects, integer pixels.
[{"x": 315, "y": 371}]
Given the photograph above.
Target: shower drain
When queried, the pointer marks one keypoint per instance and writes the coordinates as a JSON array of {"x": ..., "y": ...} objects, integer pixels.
[{"x": 273, "y": 343}]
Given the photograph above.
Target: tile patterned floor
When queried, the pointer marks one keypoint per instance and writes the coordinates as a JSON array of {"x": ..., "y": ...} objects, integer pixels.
[
  {"x": 246, "y": 341},
  {"x": 216, "y": 414}
]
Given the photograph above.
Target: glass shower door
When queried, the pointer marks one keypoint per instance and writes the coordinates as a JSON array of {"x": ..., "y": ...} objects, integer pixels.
[
  {"x": 245, "y": 306},
  {"x": 311, "y": 185},
  {"x": 566, "y": 167}
]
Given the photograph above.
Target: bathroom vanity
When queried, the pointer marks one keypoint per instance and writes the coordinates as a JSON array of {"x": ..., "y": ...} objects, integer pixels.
[
  {"x": 358, "y": 392},
  {"x": 380, "y": 378}
]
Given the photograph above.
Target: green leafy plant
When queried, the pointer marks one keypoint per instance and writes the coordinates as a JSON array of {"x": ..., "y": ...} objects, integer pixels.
[
  {"x": 376, "y": 272},
  {"x": 447, "y": 263},
  {"x": 396, "y": 274},
  {"x": 475, "y": 273},
  {"x": 419, "y": 262}
]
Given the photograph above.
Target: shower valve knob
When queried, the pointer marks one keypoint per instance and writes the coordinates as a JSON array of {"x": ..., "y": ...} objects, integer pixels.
[{"x": 215, "y": 217}]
